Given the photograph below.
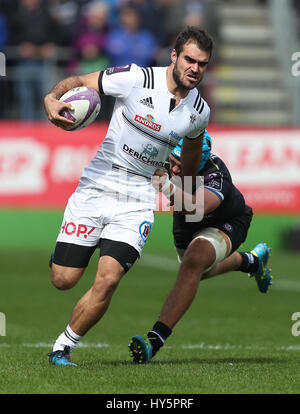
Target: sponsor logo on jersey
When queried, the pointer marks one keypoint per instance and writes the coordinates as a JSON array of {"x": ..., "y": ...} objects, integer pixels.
[
  {"x": 150, "y": 150},
  {"x": 214, "y": 180},
  {"x": 148, "y": 122},
  {"x": 70, "y": 228},
  {"x": 118, "y": 69},
  {"x": 192, "y": 118},
  {"x": 144, "y": 229},
  {"x": 148, "y": 102},
  {"x": 146, "y": 156},
  {"x": 174, "y": 134},
  {"x": 228, "y": 227}
]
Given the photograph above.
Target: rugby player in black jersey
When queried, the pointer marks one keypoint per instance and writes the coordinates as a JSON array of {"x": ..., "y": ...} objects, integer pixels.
[{"x": 205, "y": 248}]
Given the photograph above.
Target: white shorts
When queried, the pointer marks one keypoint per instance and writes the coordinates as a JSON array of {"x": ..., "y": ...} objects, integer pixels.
[
  {"x": 92, "y": 213},
  {"x": 216, "y": 239}
]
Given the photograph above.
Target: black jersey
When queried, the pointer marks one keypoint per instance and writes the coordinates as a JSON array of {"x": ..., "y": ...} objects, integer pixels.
[{"x": 217, "y": 179}]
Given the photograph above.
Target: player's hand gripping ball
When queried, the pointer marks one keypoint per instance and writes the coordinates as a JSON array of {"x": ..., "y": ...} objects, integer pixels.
[{"x": 86, "y": 107}]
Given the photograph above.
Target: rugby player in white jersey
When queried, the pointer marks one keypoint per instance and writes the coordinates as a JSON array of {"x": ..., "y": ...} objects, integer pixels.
[{"x": 112, "y": 207}]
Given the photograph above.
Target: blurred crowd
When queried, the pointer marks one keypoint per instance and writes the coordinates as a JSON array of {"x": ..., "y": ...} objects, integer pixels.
[{"x": 82, "y": 36}]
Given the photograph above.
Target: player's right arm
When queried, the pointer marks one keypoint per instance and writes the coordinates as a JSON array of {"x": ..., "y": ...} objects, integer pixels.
[
  {"x": 115, "y": 81},
  {"x": 53, "y": 106}
]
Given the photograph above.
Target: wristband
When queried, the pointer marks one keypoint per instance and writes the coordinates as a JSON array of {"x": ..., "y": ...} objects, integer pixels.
[{"x": 166, "y": 188}]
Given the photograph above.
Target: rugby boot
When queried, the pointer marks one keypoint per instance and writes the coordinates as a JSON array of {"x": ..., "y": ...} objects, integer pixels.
[
  {"x": 263, "y": 274},
  {"x": 61, "y": 357},
  {"x": 141, "y": 350}
]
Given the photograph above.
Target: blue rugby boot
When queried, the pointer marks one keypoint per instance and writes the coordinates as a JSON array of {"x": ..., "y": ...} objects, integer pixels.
[
  {"x": 61, "y": 357},
  {"x": 141, "y": 350},
  {"x": 263, "y": 274}
]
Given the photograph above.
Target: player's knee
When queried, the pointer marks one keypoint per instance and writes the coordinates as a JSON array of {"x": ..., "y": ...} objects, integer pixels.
[
  {"x": 63, "y": 280},
  {"x": 196, "y": 256},
  {"x": 105, "y": 284}
]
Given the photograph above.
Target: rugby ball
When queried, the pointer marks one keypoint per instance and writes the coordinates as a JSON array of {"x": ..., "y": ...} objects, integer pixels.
[{"x": 86, "y": 103}]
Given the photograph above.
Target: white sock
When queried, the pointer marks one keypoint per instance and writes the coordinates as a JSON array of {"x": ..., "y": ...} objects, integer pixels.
[{"x": 67, "y": 338}]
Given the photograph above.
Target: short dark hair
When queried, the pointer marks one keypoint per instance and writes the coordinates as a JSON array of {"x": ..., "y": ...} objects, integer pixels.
[{"x": 194, "y": 34}]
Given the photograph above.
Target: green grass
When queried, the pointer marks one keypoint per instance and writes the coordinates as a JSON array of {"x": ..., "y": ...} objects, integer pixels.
[
  {"x": 232, "y": 340},
  {"x": 39, "y": 228}
]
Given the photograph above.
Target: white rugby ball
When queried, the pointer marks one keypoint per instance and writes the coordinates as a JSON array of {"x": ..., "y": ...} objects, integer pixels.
[{"x": 86, "y": 103}]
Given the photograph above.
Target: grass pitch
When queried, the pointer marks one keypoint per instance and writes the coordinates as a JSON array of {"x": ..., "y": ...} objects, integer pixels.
[{"x": 232, "y": 340}]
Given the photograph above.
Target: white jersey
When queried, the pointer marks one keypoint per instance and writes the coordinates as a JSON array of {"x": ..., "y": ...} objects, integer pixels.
[{"x": 144, "y": 128}]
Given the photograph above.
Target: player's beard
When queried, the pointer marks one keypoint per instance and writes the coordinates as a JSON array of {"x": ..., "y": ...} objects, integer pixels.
[{"x": 179, "y": 82}]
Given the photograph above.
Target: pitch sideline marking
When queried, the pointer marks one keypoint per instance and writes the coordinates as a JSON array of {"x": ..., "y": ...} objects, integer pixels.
[{"x": 202, "y": 345}]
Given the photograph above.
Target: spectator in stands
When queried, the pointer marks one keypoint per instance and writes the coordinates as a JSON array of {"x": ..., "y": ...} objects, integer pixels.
[
  {"x": 153, "y": 16},
  {"x": 114, "y": 14},
  {"x": 163, "y": 54},
  {"x": 33, "y": 32},
  {"x": 66, "y": 14},
  {"x": 130, "y": 42},
  {"x": 193, "y": 13},
  {"x": 3, "y": 30},
  {"x": 90, "y": 41},
  {"x": 8, "y": 7},
  {"x": 296, "y": 6},
  {"x": 175, "y": 10},
  {"x": 203, "y": 13}
]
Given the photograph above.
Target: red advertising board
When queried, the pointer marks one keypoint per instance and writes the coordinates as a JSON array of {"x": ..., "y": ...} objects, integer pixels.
[
  {"x": 40, "y": 164},
  {"x": 264, "y": 164}
]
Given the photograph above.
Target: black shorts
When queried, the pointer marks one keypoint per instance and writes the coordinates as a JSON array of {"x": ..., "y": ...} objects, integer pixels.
[
  {"x": 236, "y": 229},
  {"x": 74, "y": 255}
]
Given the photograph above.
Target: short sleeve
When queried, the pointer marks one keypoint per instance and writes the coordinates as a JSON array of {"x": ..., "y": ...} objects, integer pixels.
[
  {"x": 218, "y": 183},
  {"x": 201, "y": 124},
  {"x": 118, "y": 81}
]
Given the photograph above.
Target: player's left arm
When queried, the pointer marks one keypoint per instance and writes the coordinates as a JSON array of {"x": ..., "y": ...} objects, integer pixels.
[
  {"x": 203, "y": 198},
  {"x": 191, "y": 153},
  {"x": 191, "y": 156}
]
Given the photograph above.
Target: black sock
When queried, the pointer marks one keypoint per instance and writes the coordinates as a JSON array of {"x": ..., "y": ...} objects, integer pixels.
[
  {"x": 158, "y": 335},
  {"x": 249, "y": 262}
]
